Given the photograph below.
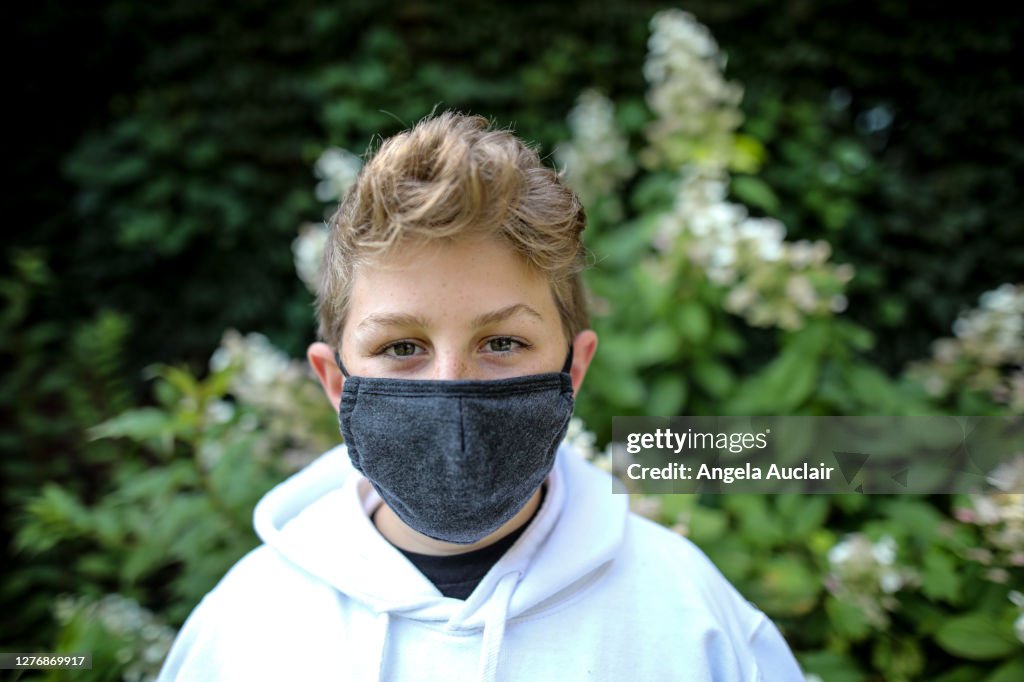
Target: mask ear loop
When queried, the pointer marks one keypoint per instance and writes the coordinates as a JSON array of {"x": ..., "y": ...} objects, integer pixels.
[
  {"x": 568, "y": 361},
  {"x": 337, "y": 359}
]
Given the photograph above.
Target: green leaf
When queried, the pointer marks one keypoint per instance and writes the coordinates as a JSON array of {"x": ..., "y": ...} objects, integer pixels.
[
  {"x": 901, "y": 658},
  {"x": 693, "y": 322},
  {"x": 733, "y": 557},
  {"x": 726, "y": 342},
  {"x": 915, "y": 517},
  {"x": 1011, "y": 671},
  {"x": 747, "y": 154},
  {"x": 939, "y": 579},
  {"x": 707, "y": 524},
  {"x": 620, "y": 388},
  {"x": 657, "y": 344},
  {"x": 713, "y": 377},
  {"x": 977, "y": 636},
  {"x": 755, "y": 192},
  {"x": 872, "y": 387},
  {"x": 667, "y": 395},
  {"x": 962, "y": 673},
  {"x": 139, "y": 425},
  {"x": 779, "y": 388},
  {"x": 831, "y": 666},
  {"x": 804, "y": 513},
  {"x": 847, "y": 620},
  {"x": 787, "y": 586},
  {"x": 759, "y": 526},
  {"x": 180, "y": 379}
]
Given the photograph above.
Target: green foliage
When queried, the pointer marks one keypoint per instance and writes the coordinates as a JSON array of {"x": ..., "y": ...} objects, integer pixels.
[
  {"x": 175, "y": 513},
  {"x": 783, "y": 553},
  {"x": 126, "y": 641},
  {"x": 161, "y": 511},
  {"x": 978, "y": 636},
  {"x": 57, "y": 381}
]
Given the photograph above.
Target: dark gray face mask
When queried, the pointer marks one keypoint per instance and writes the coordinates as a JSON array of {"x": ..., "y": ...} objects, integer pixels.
[{"x": 455, "y": 459}]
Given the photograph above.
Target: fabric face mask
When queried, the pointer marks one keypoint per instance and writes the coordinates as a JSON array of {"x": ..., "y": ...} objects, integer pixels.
[{"x": 455, "y": 459}]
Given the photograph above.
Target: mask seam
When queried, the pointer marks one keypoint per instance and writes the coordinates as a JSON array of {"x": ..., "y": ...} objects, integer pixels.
[
  {"x": 459, "y": 391},
  {"x": 346, "y": 416},
  {"x": 462, "y": 428}
]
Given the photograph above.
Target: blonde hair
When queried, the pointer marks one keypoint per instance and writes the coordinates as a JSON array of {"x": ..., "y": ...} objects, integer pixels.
[{"x": 453, "y": 176}]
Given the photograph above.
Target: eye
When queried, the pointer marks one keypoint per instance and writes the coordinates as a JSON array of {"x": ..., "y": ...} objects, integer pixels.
[
  {"x": 503, "y": 344},
  {"x": 400, "y": 349}
]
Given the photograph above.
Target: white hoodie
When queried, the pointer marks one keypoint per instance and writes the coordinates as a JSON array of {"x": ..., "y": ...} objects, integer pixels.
[{"x": 588, "y": 592}]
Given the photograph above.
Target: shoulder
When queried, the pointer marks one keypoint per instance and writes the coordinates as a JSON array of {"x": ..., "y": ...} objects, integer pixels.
[
  {"x": 668, "y": 551},
  {"x": 672, "y": 570},
  {"x": 673, "y": 578},
  {"x": 252, "y": 609},
  {"x": 260, "y": 583}
]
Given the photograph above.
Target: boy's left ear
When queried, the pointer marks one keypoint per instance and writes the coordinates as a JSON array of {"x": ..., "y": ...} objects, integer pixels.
[
  {"x": 583, "y": 348},
  {"x": 321, "y": 359}
]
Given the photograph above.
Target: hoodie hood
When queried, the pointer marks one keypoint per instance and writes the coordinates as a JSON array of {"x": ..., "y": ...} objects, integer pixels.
[{"x": 319, "y": 521}]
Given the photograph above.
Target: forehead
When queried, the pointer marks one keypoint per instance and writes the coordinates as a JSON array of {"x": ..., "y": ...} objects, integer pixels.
[{"x": 450, "y": 281}]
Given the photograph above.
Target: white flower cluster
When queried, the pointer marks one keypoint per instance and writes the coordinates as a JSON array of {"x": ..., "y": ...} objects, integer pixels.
[
  {"x": 770, "y": 282},
  {"x": 1008, "y": 477},
  {"x": 580, "y": 439},
  {"x": 1018, "y": 625},
  {"x": 144, "y": 639},
  {"x": 307, "y": 252},
  {"x": 994, "y": 332},
  {"x": 596, "y": 161},
  {"x": 866, "y": 574},
  {"x": 986, "y": 353},
  {"x": 282, "y": 391},
  {"x": 696, "y": 110},
  {"x": 337, "y": 169},
  {"x": 650, "y": 507},
  {"x": 1000, "y": 516},
  {"x": 582, "y": 443},
  {"x": 259, "y": 365}
]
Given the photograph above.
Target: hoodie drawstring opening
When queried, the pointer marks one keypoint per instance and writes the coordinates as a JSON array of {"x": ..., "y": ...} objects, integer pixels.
[
  {"x": 382, "y": 626},
  {"x": 494, "y": 626}
]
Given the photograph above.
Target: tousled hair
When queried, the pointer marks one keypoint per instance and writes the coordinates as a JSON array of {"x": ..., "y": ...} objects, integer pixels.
[{"x": 453, "y": 176}]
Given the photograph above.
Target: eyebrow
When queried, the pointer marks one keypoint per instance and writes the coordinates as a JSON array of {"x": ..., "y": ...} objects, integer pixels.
[
  {"x": 505, "y": 313},
  {"x": 378, "y": 320},
  {"x": 382, "y": 320}
]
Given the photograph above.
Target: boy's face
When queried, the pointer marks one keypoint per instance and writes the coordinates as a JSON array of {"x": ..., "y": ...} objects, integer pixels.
[{"x": 472, "y": 309}]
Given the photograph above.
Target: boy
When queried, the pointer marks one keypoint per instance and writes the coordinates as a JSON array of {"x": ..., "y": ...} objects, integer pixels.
[{"x": 452, "y": 537}]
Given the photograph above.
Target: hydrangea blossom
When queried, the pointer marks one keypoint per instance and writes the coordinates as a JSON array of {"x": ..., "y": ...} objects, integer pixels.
[
  {"x": 867, "y": 574},
  {"x": 766, "y": 280},
  {"x": 999, "y": 515},
  {"x": 337, "y": 169},
  {"x": 986, "y": 352},
  {"x": 279, "y": 394},
  {"x": 145, "y": 639},
  {"x": 769, "y": 281},
  {"x": 307, "y": 250},
  {"x": 696, "y": 110},
  {"x": 1018, "y": 624},
  {"x": 596, "y": 160}
]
